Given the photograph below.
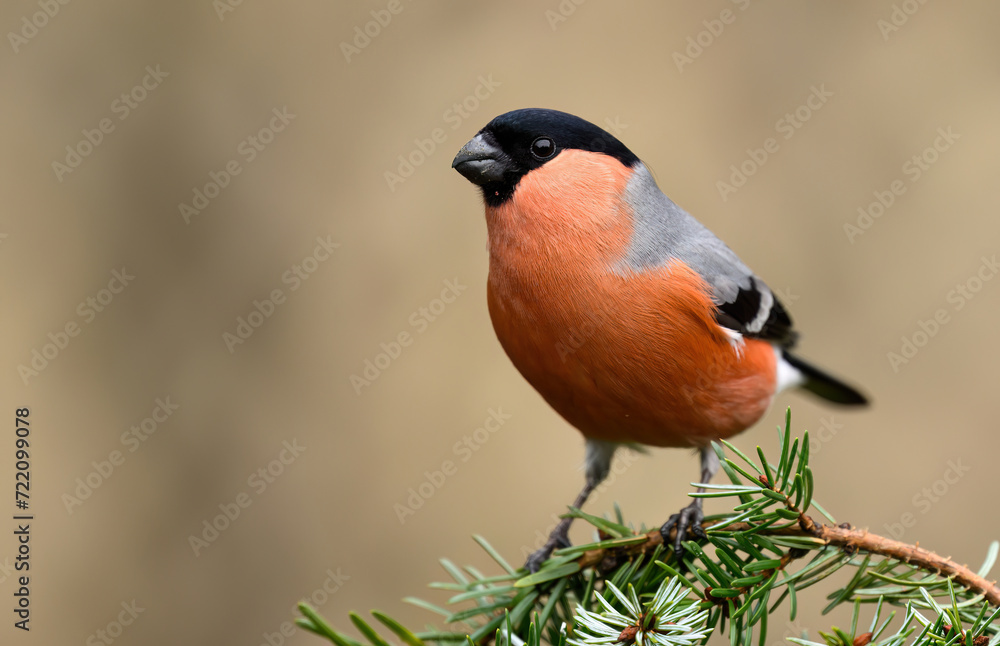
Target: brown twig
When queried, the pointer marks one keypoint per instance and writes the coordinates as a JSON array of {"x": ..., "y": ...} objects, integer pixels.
[{"x": 842, "y": 536}]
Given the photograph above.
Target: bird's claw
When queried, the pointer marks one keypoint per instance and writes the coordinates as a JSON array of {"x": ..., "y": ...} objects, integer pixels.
[
  {"x": 686, "y": 521},
  {"x": 557, "y": 539}
]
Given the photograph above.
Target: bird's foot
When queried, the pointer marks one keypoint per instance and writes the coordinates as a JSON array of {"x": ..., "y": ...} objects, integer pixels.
[
  {"x": 557, "y": 539},
  {"x": 686, "y": 521}
]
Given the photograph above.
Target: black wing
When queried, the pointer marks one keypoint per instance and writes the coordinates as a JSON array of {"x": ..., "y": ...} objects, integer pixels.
[{"x": 757, "y": 313}]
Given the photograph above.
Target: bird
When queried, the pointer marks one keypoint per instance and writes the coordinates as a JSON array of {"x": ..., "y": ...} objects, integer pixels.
[{"x": 629, "y": 317}]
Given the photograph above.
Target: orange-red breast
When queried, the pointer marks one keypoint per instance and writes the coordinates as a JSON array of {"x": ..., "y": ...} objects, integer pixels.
[{"x": 633, "y": 321}]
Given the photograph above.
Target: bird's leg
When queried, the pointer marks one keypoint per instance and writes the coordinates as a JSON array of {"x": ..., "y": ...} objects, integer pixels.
[
  {"x": 688, "y": 520},
  {"x": 559, "y": 536},
  {"x": 598, "y": 463}
]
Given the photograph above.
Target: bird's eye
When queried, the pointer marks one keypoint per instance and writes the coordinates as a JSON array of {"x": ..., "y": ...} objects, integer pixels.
[{"x": 543, "y": 148}]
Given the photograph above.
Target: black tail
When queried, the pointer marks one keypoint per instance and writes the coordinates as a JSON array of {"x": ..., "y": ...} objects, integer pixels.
[{"x": 823, "y": 385}]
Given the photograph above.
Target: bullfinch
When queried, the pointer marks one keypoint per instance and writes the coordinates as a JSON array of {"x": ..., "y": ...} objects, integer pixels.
[{"x": 629, "y": 317}]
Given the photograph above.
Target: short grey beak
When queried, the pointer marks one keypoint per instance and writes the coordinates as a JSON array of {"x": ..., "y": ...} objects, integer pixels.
[{"x": 479, "y": 162}]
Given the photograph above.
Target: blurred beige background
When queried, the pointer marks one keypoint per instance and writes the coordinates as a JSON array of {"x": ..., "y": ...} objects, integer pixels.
[{"x": 330, "y": 514}]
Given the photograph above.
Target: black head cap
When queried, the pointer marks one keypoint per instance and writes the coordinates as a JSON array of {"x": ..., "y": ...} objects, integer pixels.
[{"x": 517, "y": 142}]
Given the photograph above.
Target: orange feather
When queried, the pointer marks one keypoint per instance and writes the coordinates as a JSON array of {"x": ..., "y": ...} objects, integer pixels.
[{"x": 622, "y": 355}]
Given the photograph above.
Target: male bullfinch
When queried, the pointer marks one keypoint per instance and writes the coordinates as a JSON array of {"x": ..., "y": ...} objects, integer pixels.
[{"x": 630, "y": 318}]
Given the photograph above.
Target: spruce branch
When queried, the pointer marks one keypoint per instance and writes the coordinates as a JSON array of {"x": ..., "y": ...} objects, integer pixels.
[
  {"x": 625, "y": 588},
  {"x": 842, "y": 536}
]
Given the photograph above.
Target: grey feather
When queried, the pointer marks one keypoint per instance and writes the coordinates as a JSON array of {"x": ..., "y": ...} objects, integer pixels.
[{"x": 664, "y": 231}]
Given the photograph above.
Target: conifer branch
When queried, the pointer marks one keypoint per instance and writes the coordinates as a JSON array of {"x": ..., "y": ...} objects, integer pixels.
[
  {"x": 627, "y": 588},
  {"x": 842, "y": 536}
]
